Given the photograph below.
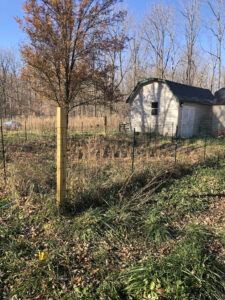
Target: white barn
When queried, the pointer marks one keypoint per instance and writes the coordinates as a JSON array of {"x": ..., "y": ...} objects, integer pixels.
[{"x": 172, "y": 108}]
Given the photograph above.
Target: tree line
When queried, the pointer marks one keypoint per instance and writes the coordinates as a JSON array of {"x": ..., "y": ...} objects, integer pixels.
[{"x": 91, "y": 54}]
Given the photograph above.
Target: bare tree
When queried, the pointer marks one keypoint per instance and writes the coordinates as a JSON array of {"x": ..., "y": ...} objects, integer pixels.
[
  {"x": 135, "y": 58},
  {"x": 217, "y": 29},
  {"x": 191, "y": 14},
  {"x": 116, "y": 68},
  {"x": 14, "y": 91},
  {"x": 5, "y": 70},
  {"x": 159, "y": 34}
]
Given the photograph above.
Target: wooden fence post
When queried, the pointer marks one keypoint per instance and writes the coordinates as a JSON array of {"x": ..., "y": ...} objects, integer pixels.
[{"x": 61, "y": 155}]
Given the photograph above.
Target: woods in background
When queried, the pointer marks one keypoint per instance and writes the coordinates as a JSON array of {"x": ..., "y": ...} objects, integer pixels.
[{"x": 174, "y": 43}]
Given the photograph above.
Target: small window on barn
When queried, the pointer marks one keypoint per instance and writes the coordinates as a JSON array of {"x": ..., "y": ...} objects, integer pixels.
[{"x": 154, "y": 108}]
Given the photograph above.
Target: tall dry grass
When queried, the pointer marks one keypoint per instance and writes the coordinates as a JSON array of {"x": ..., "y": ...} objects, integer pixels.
[
  {"x": 94, "y": 123},
  {"x": 100, "y": 150},
  {"x": 84, "y": 124}
]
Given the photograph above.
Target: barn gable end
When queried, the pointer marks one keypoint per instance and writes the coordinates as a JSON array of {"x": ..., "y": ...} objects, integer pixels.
[{"x": 153, "y": 107}]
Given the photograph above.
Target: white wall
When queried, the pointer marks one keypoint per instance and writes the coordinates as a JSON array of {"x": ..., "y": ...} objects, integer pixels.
[
  {"x": 168, "y": 108},
  {"x": 202, "y": 120},
  {"x": 218, "y": 118}
]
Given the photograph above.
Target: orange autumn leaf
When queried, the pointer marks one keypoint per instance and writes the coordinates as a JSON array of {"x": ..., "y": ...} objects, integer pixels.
[
  {"x": 93, "y": 272},
  {"x": 160, "y": 291},
  {"x": 77, "y": 280}
]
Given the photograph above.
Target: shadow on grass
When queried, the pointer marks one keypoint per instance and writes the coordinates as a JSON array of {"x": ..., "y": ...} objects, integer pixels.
[
  {"x": 146, "y": 182},
  {"x": 208, "y": 195}
]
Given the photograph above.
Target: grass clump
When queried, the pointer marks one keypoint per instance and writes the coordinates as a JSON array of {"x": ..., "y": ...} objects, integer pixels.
[
  {"x": 157, "y": 227},
  {"x": 190, "y": 271}
]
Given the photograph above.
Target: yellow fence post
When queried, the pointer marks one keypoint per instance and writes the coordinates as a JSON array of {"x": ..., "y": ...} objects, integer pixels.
[{"x": 61, "y": 155}]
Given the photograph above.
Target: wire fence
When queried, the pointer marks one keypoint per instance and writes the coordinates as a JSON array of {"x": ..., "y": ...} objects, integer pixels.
[
  {"x": 177, "y": 149},
  {"x": 122, "y": 147}
]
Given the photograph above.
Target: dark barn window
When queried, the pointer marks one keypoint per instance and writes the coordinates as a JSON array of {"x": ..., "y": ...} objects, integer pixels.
[{"x": 154, "y": 108}]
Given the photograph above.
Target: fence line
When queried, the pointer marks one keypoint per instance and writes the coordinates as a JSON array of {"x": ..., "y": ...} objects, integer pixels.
[{"x": 130, "y": 148}]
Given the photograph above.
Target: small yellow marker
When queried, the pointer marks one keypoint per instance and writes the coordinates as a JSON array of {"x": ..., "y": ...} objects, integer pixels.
[{"x": 43, "y": 255}]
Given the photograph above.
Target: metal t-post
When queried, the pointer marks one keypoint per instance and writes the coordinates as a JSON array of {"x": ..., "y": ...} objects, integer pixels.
[
  {"x": 205, "y": 144},
  {"x": 132, "y": 168},
  {"x": 3, "y": 150},
  {"x": 175, "y": 154}
]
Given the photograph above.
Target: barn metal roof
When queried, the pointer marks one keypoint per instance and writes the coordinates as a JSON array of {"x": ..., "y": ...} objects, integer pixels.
[{"x": 182, "y": 92}]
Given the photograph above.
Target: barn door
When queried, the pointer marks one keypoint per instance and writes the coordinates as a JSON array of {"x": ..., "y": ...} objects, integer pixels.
[{"x": 187, "y": 121}]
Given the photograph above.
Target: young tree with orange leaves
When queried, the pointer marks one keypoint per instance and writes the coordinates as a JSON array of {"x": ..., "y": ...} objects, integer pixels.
[
  {"x": 65, "y": 39},
  {"x": 65, "y": 36}
]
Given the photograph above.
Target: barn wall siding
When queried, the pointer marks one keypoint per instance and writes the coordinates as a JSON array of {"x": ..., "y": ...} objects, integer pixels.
[
  {"x": 141, "y": 110},
  {"x": 202, "y": 120},
  {"x": 218, "y": 118}
]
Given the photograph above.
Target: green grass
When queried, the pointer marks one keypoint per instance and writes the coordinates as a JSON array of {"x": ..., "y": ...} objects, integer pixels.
[
  {"x": 191, "y": 194},
  {"x": 189, "y": 272},
  {"x": 157, "y": 226},
  {"x": 121, "y": 236}
]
